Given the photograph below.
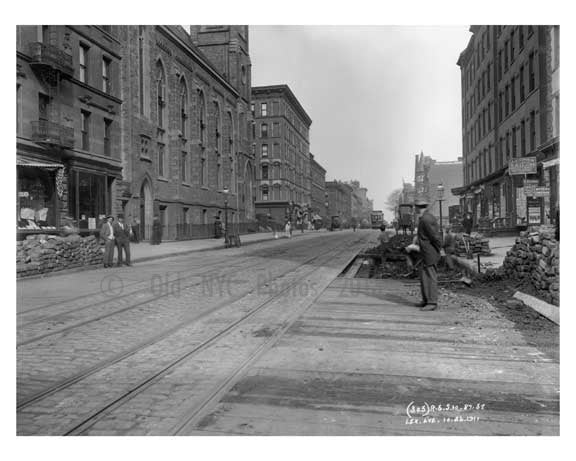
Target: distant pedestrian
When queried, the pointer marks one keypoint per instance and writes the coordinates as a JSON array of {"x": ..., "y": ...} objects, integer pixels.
[
  {"x": 107, "y": 235},
  {"x": 288, "y": 229},
  {"x": 135, "y": 227},
  {"x": 430, "y": 244},
  {"x": 122, "y": 235},
  {"x": 467, "y": 223},
  {"x": 156, "y": 231}
]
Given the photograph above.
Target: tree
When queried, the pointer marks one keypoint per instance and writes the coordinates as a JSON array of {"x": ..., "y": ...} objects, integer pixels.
[{"x": 392, "y": 201}]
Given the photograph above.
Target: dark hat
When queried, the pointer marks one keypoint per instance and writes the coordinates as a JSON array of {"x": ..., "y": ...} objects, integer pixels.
[
  {"x": 421, "y": 203},
  {"x": 109, "y": 216}
]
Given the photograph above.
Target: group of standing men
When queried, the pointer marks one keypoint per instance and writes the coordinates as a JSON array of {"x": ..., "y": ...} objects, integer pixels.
[{"x": 116, "y": 234}]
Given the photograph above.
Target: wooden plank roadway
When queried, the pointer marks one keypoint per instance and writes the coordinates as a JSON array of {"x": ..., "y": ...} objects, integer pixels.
[{"x": 365, "y": 361}]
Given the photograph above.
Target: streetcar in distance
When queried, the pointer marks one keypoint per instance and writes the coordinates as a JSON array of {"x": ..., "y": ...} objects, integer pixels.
[{"x": 376, "y": 219}]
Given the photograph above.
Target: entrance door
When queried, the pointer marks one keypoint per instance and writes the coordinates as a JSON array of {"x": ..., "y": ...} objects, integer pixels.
[{"x": 146, "y": 211}]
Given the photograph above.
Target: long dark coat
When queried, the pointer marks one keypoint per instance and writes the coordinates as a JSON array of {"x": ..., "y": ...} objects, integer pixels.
[{"x": 429, "y": 239}]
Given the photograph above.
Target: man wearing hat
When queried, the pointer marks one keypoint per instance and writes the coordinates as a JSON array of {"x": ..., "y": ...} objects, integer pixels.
[
  {"x": 107, "y": 234},
  {"x": 122, "y": 233},
  {"x": 430, "y": 244}
]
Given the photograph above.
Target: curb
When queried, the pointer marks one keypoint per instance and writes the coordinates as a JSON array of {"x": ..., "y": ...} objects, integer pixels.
[
  {"x": 549, "y": 311},
  {"x": 146, "y": 259}
]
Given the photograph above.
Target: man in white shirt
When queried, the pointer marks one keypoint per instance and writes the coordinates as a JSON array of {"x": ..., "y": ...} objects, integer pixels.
[{"x": 107, "y": 234}]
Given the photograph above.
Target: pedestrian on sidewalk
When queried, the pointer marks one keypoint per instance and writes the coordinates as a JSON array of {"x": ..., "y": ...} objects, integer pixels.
[
  {"x": 288, "y": 229},
  {"x": 156, "y": 231},
  {"x": 430, "y": 244},
  {"x": 135, "y": 228},
  {"x": 467, "y": 223},
  {"x": 383, "y": 237},
  {"x": 122, "y": 234},
  {"x": 107, "y": 235}
]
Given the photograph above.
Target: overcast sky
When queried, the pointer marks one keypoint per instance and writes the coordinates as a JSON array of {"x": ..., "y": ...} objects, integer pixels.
[{"x": 377, "y": 95}]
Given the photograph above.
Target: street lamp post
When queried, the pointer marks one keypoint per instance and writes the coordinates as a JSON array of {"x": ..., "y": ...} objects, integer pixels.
[{"x": 440, "y": 196}]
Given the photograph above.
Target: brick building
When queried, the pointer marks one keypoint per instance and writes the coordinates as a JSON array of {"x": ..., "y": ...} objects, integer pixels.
[
  {"x": 340, "y": 201},
  {"x": 68, "y": 103},
  {"x": 282, "y": 148},
  {"x": 506, "y": 80},
  {"x": 429, "y": 174},
  {"x": 186, "y": 128},
  {"x": 361, "y": 205},
  {"x": 318, "y": 194}
]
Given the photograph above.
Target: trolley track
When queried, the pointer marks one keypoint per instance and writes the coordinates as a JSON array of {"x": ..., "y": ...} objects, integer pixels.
[
  {"x": 191, "y": 416},
  {"x": 126, "y": 296},
  {"x": 101, "y": 365}
]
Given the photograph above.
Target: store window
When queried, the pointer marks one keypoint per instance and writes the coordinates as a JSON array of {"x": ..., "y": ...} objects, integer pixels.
[
  {"x": 36, "y": 199},
  {"x": 87, "y": 199}
]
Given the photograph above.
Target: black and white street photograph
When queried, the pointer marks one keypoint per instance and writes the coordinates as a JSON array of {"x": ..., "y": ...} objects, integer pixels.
[{"x": 287, "y": 229}]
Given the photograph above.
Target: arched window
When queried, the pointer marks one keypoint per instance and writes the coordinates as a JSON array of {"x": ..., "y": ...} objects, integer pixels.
[
  {"x": 161, "y": 93},
  {"x": 232, "y": 152},
  {"x": 218, "y": 146},
  {"x": 183, "y": 107},
  {"x": 202, "y": 128},
  {"x": 265, "y": 192}
]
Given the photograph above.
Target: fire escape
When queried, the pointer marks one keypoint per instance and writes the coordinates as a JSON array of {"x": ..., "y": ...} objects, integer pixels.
[{"x": 51, "y": 64}]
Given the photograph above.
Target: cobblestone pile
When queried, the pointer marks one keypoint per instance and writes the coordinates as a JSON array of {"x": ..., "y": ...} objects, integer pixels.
[
  {"x": 41, "y": 253},
  {"x": 535, "y": 258}
]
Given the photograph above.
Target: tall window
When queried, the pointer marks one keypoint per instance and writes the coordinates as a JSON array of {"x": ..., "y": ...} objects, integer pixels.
[
  {"x": 520, "y": 37},
  {"x": 506, "y": 45},
  {"x": 160, "y": 93},
  {"x": 83, "y": 60},
  {"x": 507, "y": 96},
  {"x": 183, "y": 108},
  {"x": 106, "y": 75},
  {"x": 523, "y": 138},
  {"x": 522, "y": 88},
  {"x": 85, "y": 122},
  {"x": 264, "y": 109},
  {"x": 532, "y": 131},
  {"x": 184, "y": 167},
  {"x": 264, "y": 150},
  {"x": 161, "y": 160},
  {"x": 141, "y": 31},
  {"x": 512, "y": 47},
  {"x": 490, "y": 105},
  {"x": 107, "y": 136},
  {"x": 488, "y": 73},
  {"x": 276, "y": 130},
  {"x": 253, "y": 109},
  {"x": 514, "y": 142},
  {"x": 202, "y": 118},
  {"x": 513, "y": 93},
  {"x": 531, "y": 77},
  {"x": 217, "y": 129},
  {"x": 264, "y": 171},
  {"x": 555, "y": 47},
  {"x": 499, "y": 65},
  {"x": 507, "y": 145},
  {"x": 265, "y": 193},
  {"x": 264, "y": 130}
]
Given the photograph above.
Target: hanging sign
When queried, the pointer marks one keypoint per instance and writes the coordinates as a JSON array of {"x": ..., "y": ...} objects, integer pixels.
[{"x": 522, "y": 165}]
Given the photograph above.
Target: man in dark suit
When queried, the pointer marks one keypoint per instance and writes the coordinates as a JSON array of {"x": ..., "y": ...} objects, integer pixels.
[
  {"x": 122, "y": 233},
  {"x": 430, "y": 244},
  {"x": 107, "y": 234}
]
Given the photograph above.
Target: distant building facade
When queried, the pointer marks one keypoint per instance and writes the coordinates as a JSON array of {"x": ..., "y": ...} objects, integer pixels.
[
  {"x": 508, "y": 111},
  {"x": 318, "y": 194},
  {"x": 361, "y": 204},
  {"x": 429, "y": 174},
  {"x": 282, "y": 148},
  {"x": 339, "y": 200},
  {"x": 68, "y": 109}
]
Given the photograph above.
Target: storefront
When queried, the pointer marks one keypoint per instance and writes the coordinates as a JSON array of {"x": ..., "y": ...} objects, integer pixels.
[
  {"x": 39, "y": 190},
  {"x": 89, "y": 198}
]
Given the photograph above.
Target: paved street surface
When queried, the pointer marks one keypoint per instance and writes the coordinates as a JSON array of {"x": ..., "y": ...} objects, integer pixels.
[{"x": 270, "y": 340}]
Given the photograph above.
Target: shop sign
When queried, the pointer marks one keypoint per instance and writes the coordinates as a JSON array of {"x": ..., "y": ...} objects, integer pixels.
[
  {"x": 523, "y": 165},
  {"x": 534, "y": 210},
  {"x": 91, "y": 223},
  {"x": 520, "y": 206},
  {"x": 537, "y": 191}
]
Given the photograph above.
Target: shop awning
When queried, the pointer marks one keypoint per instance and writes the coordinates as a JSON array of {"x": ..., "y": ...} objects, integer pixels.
[{"x": 23, "y": 161}]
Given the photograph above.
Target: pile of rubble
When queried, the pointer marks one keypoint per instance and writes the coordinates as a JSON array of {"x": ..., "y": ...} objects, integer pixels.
[
  {"x": 41, "y": 253},
  {"x": 477, "y": 243},
  {"x": 535, "y": 259}
]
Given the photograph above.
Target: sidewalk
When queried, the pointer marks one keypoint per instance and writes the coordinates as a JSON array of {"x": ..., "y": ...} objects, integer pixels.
[
  {"x": 146, "y": 252},
  {"x": 499, "y": 246}
]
